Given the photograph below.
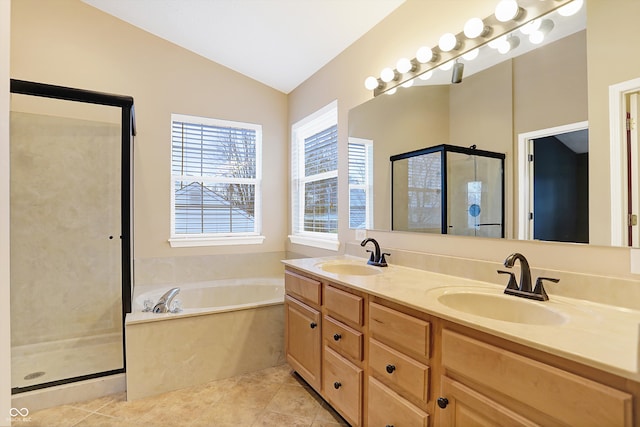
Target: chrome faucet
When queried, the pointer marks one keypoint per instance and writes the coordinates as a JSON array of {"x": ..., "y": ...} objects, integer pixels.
[
  {"x": 164, "y": 303},
  {"x": 376, "y": 258},
  {"x": 524, "y": 289}
]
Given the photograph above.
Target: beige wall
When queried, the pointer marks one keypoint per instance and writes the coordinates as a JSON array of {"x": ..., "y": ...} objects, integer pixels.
[
  {"x": 419, "y": 22},
  {"x": 5, "y": 325},
  {"x": 66, "y": 42}
]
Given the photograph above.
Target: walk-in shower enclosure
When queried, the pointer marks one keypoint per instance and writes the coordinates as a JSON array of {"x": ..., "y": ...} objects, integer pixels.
[
  {"x": 448, "y": 190},
  {"x": 70, "y": 204}
]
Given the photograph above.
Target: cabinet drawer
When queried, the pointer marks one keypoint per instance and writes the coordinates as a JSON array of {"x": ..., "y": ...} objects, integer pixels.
[
  {"x": 568, "y": 398},
  {"x": 387, "y": 408},
  {"x": 307, "y": 289},
  {"x": 342, "y": 385},
  {"x": 397, "y": 369},
  {"x": 341, "y": 336},
  {"x": 343, "y": 305},
  {"x": 401, "y": 330}
]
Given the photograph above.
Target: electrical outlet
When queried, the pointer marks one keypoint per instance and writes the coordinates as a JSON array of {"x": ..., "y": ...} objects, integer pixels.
[{"x": 361, "y": 234}]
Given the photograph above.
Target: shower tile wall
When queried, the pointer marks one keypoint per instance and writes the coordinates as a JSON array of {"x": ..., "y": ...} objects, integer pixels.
[{"x": 49, "y": 223}]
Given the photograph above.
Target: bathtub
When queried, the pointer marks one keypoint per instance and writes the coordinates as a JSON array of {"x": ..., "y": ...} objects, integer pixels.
[{"x": 225, "y": 328}]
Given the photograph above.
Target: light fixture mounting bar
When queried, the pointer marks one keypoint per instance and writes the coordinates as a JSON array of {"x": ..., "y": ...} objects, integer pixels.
[{"x": 533, "y": 9}]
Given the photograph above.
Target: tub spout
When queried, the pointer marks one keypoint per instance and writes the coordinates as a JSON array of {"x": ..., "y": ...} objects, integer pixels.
[{"x": 164, "y": 303}]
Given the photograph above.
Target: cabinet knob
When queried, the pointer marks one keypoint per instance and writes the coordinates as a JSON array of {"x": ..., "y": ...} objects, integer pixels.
[
  {"x": 337, "y": 385},
  {"x": 337, "y": 337},
  {"x": 312, "y": 325},
  {"x": 443, "y": 402},
  {"x": 391, "y": 368}
]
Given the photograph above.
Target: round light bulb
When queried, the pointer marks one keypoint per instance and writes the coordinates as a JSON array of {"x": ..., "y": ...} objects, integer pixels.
[
  {"x": 424, "y": 55},
  {"x": 507, "y": 10},
  {"x": 473, "y": 28},
  {"x": 509, "y": 44},
  {"x": 387, "y": 75},
  {"x": 530, "y": 26},
  {"x": 571, "y": 8},
  {"x": 536, "y": 37},
  {"x": 471, "y": 55},
  {"x": 404, "y": 65},
  {"x": 391, "y": 91},
  {"x": 446, "y": 66},
  {"x": 371, "y": 83},
  {"x": 426, "y": 76},
  {"x": 447, "y": 42},
  {"x": 495, "y": 43},
  {"x": 408, "y": 83}
]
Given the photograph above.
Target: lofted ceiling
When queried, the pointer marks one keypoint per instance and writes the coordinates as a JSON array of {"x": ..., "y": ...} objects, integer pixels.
[{"x": 280, "y": 43}]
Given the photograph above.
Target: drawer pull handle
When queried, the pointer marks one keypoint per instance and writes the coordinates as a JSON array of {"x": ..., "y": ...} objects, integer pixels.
[
  {"x": 313, "y": 325},
  {"x": 337, "y": 337},
  {"x": 443, "y": 402},
  {"x": 391, "y": 368},
  {"x": 337, "y": 385},
  {"x": 389, "y": 425}
]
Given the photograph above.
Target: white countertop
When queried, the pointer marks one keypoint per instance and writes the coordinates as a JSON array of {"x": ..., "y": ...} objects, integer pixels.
[{"x": 598, "y": 335}]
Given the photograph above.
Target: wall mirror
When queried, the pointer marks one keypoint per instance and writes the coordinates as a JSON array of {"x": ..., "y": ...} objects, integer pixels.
[{"x": 533, "y": 88}]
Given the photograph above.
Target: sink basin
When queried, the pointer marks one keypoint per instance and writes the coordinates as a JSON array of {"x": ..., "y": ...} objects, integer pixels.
[
  {"x": 350, "y": 269},
  {"x": 502, "y": 307}
]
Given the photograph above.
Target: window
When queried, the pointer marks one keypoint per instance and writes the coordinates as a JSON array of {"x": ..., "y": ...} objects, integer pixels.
[
  {"x": 315, "y": 179},
  {"x": 360, "y": 183},
  {"x": 215, "y": 178}
]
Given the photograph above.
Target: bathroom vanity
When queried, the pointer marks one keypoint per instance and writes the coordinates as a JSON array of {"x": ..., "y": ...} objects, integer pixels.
[{"x": 380, "y": 347}]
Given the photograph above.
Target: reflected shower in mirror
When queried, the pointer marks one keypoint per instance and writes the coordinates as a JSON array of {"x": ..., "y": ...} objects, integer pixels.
[{"x": 448, "y": 190}]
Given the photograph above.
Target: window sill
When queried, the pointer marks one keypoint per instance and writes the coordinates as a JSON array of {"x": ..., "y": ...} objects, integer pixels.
[
  {"x": 185, "y": 242},
  {"x": 326, "y": 243}
]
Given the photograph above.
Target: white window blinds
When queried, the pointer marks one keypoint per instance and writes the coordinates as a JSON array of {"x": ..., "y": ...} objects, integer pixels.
[{"x": 216, "y": 177}]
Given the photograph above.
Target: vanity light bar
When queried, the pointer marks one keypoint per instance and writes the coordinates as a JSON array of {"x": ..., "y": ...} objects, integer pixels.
[{"x": 492, "y": 30}]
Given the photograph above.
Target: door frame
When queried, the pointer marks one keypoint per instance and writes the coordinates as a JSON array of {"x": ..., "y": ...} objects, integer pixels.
[
  {"x": 525, "y": 173},
  {"x": 618, "y": 158}
]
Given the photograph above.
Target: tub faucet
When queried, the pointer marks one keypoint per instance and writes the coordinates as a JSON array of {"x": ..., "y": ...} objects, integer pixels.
[
  {"x": 524, "y": 289},
  {"x": 376, "y": 258},
  {"x": 164, "y": 303}
]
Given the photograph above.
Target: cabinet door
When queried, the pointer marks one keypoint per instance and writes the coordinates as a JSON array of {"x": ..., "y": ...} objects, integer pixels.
[
  {"x": 303, "y": 340},
  {"x": 461, "y": 406}
]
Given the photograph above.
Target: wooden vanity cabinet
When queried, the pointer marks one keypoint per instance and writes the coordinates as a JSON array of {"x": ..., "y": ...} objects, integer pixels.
[
  {"x": 379, "y": 363},
  {"x": 303, "y": 326},
  {"x": 486, "y": 384}
]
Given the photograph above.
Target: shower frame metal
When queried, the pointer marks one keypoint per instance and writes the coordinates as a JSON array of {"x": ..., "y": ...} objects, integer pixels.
[
  {"x": 128, "y": 131},
  {"x": 444, "y": 149}
]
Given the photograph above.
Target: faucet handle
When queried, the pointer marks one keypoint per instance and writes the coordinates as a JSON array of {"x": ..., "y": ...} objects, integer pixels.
[
  {"x": 372, "y": 258},
  {"x": 539, "y": 288},
  {"x": 383, "y": 262},
  {"x": 513, "y": 284}
]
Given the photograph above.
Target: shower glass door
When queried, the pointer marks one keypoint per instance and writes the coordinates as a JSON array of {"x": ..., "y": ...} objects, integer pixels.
[
  {"x": 66, "y": 247},
  {"x": 475, "y": 195}
]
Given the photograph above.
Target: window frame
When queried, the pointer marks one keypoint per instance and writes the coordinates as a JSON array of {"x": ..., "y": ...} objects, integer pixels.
[
  {"x": 316, "y": 122},
  {"x": 367, "y": 186},
  {"x": 226, "y": 238}
]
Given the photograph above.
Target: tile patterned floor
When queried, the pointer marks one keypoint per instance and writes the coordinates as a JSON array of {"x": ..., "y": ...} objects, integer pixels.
[{"x": 271, "y": 397}]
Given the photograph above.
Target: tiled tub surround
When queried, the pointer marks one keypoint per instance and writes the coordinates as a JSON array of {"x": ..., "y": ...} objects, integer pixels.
[
  {"x": 603, "y": 336},
  {"x": 175, "y": 350}
]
